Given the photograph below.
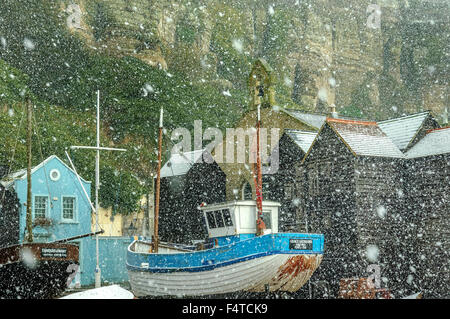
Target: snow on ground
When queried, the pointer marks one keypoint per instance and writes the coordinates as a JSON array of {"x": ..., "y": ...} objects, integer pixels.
[
  {"x": 107, "y": 292},
  {"x": 415, "y": 296}
]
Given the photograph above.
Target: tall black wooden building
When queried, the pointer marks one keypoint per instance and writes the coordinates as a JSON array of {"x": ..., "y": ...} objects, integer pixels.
[
  {"x": 351, "y": 194},
  {"x": 282, "y": 186},
  {"x": 187, "y": 180},
  {"x": 374, "y": 205},
  {"x": 427, "y": 180},
  {"x": 9, "y": 216}
]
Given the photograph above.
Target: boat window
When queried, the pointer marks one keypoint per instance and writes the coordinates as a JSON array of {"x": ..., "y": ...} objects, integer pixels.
[
  {"x": 219, "y": 218},
  {"x": 266, "y": 217},
  {"x": 227, "y": 217},
  {"x": 211, "y": 220}
]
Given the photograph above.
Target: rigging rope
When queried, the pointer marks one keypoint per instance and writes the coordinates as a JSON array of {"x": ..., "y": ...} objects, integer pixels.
[{"x": 42, "y": 159}]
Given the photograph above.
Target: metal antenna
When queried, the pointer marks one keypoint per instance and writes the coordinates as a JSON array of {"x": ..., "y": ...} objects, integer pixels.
[{"x": 97, "y": 185}]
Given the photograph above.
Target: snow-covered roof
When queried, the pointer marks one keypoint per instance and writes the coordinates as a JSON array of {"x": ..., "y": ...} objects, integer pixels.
[
  {"x": 180, "y": 163},
  {"x": 365, "y": 138},
  {"x": 314, "y": 120},
  {"x": 402, "y": 130},
  {"x": 303, "y": 139},
  {"x": 9, "y": 179},
  {"x": 436, "y": 142}
]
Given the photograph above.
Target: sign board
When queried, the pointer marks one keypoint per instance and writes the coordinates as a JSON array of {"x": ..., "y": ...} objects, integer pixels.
[
  {"x": 300, "y": 244},
  {"x": 54, "y": 252}
]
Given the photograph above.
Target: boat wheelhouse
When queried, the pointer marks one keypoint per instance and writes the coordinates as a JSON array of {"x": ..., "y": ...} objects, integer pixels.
[{"x": 225, "y": 221}]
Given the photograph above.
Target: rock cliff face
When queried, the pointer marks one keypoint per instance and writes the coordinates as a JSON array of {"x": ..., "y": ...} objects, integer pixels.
[{"x": 371, "y": 58}]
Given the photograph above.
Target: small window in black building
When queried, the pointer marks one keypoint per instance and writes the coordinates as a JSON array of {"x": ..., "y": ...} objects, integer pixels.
[
  {"x": 219, "y": 218},
  {"x": 247, "y": 191},
  {"x": 211, "y": 220},
  {"x": 227, "y": 217}
]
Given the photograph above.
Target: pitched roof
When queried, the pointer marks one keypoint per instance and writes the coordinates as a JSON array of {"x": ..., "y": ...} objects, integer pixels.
[
  {"x": 180, "y": 163},
  {"x": 436, "y": 142},
  {"x": 364, "y": 138},
  {"x": 314, "y": 120},
  {"x": 402, "y": 130},
  {"x": 8, "y": 180},
  {"x": 303, "y": 139}
]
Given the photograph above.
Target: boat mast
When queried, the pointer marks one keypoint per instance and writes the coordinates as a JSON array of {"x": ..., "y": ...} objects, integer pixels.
[
  {"x": 260, "y": 226},
  {"x": 29, "y": 237},
  {"x": 158, "y": 184}
]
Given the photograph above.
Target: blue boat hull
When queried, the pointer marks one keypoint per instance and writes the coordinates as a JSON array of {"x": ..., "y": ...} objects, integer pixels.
[{"x": 281, "y": 261}]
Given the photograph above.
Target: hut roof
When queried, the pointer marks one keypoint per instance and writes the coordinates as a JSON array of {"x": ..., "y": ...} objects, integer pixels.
[
  {"x": 180, "y": 163},
  {"x": 436, "y": 142},
  {"x": 402, "y": 130},
  {"x": 364, "y": 138},
  {"x": 303, "y": 139},
  {"x": 314, "y": 120},
  {"x": 8, "y": 180}
]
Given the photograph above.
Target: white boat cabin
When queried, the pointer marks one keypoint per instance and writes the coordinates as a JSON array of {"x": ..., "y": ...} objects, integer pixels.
[{"x": 239, "y": 217}]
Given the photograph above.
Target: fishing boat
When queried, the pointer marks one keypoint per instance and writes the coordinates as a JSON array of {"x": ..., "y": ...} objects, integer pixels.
[
  {"x": 34, "y": 270},
  {"x": 244, "y": 250},
  {"x": 233, "y": 258}
]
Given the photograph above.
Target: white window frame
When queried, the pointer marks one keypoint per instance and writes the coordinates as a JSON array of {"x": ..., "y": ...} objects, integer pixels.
[
  {"x": 46, "y": 206},
  {"x": 75, "y": 210},
  {"x": 55, "y": 179}
]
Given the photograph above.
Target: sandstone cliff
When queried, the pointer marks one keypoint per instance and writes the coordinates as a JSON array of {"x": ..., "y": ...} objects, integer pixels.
[{"x": 384, "y": 57}]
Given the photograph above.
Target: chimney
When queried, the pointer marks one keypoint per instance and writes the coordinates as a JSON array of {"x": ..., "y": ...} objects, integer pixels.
[{"x": 333, "y": 112}]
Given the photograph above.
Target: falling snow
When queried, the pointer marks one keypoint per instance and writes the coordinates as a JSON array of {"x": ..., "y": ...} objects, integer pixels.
[{"x": 360, "y": 101}]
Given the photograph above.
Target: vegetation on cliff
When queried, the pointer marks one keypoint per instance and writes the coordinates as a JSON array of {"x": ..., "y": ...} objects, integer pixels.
[{"x": 193, "y": 59}]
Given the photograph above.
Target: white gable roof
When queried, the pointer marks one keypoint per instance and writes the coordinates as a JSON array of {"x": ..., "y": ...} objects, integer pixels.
[
  {"x": 303, "y": 139},
  {"x": 436, "y": 142},
  {"x": 402, "y": 130},
  {"x": 180, "y": 163},
  {"x": 8, "y": 180},
  {"x": 365, "y": 138}
]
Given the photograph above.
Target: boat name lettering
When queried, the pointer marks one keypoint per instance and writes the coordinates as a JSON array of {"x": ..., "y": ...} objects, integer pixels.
[{"x": 300, "y": 244}]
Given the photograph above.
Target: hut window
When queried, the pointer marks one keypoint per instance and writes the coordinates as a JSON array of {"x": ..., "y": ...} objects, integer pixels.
[
  {"x": 313, "y": 178},
  {"x": 227, "y": 217},
  {"x": 55, "y": 175},
  {"x": 247, "y": 191},
  {"x": 211, "y": 220},
  {"x": 219, "y": 218},
  {"x": 40, "y": 206},
  {"x": 68, "y": 208}
]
